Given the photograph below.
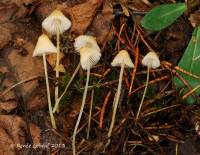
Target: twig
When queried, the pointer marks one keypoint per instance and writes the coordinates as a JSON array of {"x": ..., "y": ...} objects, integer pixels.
[
  {"x": 103, "y": 109},
  {"x": 190, "y": 92},
  {"x": 19, "y": 83},
  {"x": 162, "y": 109},
  {"x": 151, "y": 82}
]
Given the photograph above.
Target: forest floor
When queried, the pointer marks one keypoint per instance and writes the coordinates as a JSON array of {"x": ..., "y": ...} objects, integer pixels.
[{"x": 166, "y": 124}]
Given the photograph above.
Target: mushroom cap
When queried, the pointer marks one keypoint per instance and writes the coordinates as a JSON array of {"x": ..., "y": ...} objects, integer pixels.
[
  {"x": 89, "y": 50},
  {"x": 44, "y": 46},
  {"x": 85, "y": 40},
  {"x": 89, "y": 57},
  {"x": 151, "y": 60},
  {"x": 122, "y": 58},
  {"x": 56, "y": 21}
]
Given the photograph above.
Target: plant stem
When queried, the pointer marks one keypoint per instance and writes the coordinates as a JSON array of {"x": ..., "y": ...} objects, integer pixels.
[
  {"x": 90, "y": 114},
  {"x": 70, "y": 81},
  {"x": 48, "y": 93},
  {"x": 57, "y": 65},
  {"x": 116, "y": 102},
  {"x": 145, "y": 90},
  {"x": 80, "y": 113}
]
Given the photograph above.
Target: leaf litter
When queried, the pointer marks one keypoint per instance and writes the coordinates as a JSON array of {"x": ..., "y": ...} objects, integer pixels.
[{"x": 164, "y": 122}]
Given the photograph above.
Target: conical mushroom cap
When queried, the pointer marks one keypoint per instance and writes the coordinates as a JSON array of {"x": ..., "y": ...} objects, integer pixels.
[
  {"x": 44, "y": 46},
  {"x": 122, "y": 58},
  {"x": 89, "y": 57},
  {"x": 85, "y": 40},
  {"x": 56, "y": 21},
  {"x": 151, "y": 60}
]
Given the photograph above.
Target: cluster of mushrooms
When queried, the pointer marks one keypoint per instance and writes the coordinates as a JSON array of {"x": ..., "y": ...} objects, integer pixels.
[{"x": 55, "y": 24}]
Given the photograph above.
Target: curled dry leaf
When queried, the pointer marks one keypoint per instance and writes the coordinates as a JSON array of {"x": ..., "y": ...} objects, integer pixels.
[
  {"x": 82, "y": 15},
  {"x": 13, "y": 133},
  {"x": 101, "y": 26}
]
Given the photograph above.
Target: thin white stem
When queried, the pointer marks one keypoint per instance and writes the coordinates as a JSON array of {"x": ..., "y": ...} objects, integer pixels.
[
  {"x": 48, "y": 93},
  {"x": 90, "y": 114},
  {"x": 143, "y": 96},
  {"x": 66, "y": 88},
  {"x": 116, "y": 102},
  {"x": 80, "y": 113},
  {"x": 57, "y": 64}
]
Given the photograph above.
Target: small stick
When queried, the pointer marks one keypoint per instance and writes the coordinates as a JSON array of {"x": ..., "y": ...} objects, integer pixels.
[
  {"x": 151, "y": 82},
  {"x": 48, "y": 93},
  {"x": 190, "y": 92},
  {"x": 103, "y": 109},
  {"x": 135, "y": 68},
  {"x": 19, "y": 83}
]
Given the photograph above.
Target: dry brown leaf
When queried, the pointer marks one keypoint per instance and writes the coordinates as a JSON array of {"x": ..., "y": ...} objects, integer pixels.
[
  {"x": 7, "y": 83},
  {"x": 8, "y": 105},
  {"x": 82, "y": 15},
  {"x": 195, "y": 19},
  {"x": 26, "y": 67},
  {"x": 52, "y": 61},
  {"x": 101, "y": 26},
  {"x": 35, "y": 133},
  {"x": 5, "y": 36},
  {"x": 13, "y": 133},
  {"x": 38, "y": 99}
]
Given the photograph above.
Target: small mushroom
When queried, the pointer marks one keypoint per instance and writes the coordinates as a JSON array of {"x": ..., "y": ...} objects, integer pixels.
[
  {"x": 150, "y": 60},
  {"x": 122, "y": 59},
  {"x": 56, "y": 23},
  {"x": 90, "y": 54},
  {"x": 43, "y": 47}
]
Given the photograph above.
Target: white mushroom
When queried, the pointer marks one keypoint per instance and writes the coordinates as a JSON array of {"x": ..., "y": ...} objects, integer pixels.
[
  {"x": 150, "y": 60},
  {"x": 45, "y": 46},
  {"x": 56, "y": 23},
  {"x": 122, "y": 59},
  {"x": 90, "y": 54}
]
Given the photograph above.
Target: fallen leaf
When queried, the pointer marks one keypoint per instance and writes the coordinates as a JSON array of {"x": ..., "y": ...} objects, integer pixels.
[
  {"x": 6, "y": 12},
  {"x": 13, "y": 133},
  {"x": 37, "y": 100},
  {"x": 195, "y": 19},
  {"x": 52, "y": 61},
  {"x": 8, "y": 105},
  {"x": 7, "y": 83},
  {"x": 5, "y": 36},
  {"x": 82, "y": 15},
  {"x": 44, "y": 9},
  {"x": 25, "y": 67},
  {"x": 101, "y": 26}
]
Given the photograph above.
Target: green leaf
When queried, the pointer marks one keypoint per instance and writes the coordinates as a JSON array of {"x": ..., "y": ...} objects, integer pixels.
[
  {"x": 162, "y": 16},
  {"x": 191, "y": 63}
]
